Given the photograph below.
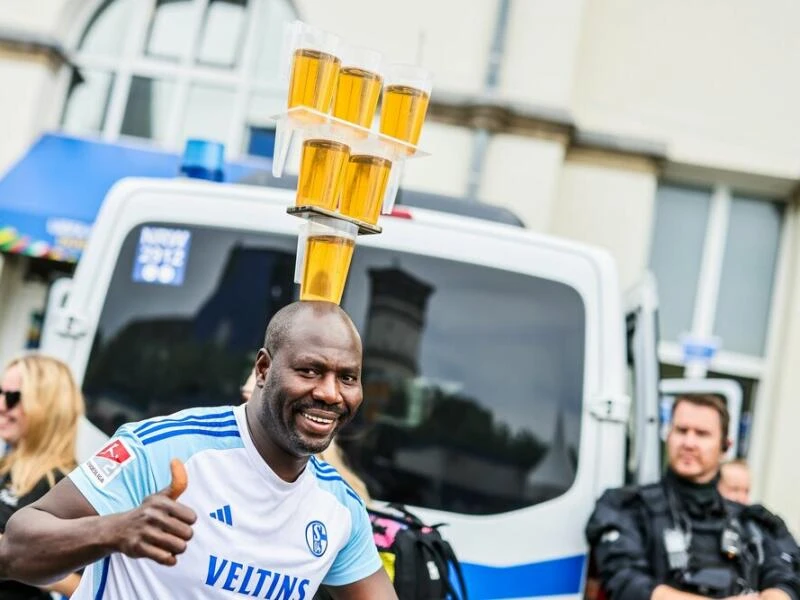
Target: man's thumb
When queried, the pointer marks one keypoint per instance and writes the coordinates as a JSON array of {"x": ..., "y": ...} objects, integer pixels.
[{"x": 179, "y": 479}]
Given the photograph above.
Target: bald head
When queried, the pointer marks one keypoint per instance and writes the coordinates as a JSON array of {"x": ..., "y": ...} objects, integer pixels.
[{"x": 300, "y": 316}]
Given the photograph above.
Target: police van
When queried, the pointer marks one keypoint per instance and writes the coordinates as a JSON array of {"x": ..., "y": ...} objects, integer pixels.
[{"x": 498, "y": 375}]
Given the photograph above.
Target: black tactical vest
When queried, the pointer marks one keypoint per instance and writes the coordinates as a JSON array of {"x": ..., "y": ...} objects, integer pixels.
[{"x": 723, "y": 554}]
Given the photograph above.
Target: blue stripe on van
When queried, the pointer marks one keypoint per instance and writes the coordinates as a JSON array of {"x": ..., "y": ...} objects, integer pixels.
[{"x": 548, "y": 578}]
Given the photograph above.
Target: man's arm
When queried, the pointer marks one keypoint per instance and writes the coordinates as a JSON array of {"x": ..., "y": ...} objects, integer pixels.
[
  {"x": 377, "y": 586},
  {"x": 620, "y": 551},
  {"x": 62, "y": 532},
  {"x": 48, "y": 539},
  {"x": 778, "y": 579}
]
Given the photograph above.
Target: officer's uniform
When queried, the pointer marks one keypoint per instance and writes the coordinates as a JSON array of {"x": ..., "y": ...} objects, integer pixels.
[{"x": 687, "y": 536}]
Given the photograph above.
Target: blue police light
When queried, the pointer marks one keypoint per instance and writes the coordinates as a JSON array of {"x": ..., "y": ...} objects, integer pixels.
[{"x": 203, "y": 159}]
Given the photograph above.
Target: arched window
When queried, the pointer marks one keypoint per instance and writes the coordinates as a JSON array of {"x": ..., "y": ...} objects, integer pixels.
[{"x": 165, "y": 70}]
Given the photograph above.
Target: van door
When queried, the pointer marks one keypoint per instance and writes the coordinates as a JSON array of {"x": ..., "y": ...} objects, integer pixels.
[
  {"x": 56, "y": 301},
  {"x": 58, "y": 331},
  {"x": 641, "y": 319},
  {"x": 727, "y": 389}
]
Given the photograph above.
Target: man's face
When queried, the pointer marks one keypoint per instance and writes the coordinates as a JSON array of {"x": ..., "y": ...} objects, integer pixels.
[
  {"x": 694, "y": 443},
  {"x": 734, "y": 483},
  {"x": 312, "y": 387}
]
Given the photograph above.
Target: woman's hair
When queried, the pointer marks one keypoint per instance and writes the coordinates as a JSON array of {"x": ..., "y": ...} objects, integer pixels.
[{"x": 53, "y": 405}]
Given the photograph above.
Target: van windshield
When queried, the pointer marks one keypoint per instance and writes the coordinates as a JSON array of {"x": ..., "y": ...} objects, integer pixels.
[{"x": 473, "y": 376}]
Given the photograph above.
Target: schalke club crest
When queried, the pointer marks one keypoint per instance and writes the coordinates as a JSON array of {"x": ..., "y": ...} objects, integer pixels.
[{"x": 317, "y": 538}]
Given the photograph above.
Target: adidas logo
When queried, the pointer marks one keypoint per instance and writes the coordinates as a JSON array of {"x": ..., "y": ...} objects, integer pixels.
[{"x": 223, "y": 514}]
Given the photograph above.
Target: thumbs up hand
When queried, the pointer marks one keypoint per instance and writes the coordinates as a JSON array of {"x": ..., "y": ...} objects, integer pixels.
[{"x": 160, "y": 527}]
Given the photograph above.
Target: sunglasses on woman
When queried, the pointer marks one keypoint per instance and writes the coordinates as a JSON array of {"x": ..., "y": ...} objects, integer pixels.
[{"x": 12, "y": 397}]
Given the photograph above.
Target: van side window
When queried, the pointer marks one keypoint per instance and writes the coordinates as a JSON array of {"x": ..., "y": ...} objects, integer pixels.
[{"x": 473, "y": 376}]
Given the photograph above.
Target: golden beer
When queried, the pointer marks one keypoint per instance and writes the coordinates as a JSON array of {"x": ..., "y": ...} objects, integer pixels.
[
  {"x": 327, "y": 262},
  {"x": 313, "y": 79},
  {"x": 365, "y": 182},
  {"x": 357, "y": 93},
  {"x": 322, "y": 167},
  {"x": 403, "y": 112}
]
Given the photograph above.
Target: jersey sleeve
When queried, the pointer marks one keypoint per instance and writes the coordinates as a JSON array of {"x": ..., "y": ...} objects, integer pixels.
[
  {"x": 358, "y": 559},
  {"x": 119, "y": 475}
]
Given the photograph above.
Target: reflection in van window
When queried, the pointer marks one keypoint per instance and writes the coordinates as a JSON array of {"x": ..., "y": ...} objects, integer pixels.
[{"x": 473, "y": 376}]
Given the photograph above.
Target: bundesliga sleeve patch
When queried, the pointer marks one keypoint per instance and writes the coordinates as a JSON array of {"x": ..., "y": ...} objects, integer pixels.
[{"x": 104, "y": 466}]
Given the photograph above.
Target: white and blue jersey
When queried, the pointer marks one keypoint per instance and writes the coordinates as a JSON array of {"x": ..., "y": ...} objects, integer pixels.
[{"x": 256, "y": 535}]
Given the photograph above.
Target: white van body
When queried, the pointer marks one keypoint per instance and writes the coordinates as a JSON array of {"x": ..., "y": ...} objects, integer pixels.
[{"x": 522, "y": 335}]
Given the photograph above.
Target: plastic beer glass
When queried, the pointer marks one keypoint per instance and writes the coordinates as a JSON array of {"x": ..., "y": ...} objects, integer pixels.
[
  {"x": 359, "y": 86},
  {"x": 315, "y": 67},
  {"x": 322, "y": 168},
  {"x": 329, "y": 250},
  {"x": 406, "y": 93}
]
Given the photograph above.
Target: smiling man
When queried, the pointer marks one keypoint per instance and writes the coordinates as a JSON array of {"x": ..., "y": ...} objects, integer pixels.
[
  {"x": 260, "y": 516},
  {"x": 679, "y": 539}
]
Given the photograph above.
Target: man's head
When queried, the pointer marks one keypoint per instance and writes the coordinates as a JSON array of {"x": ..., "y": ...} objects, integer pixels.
[
  {"x": 734, "y": 481},
  {"x": 308, "y": 376},
  {"x": 698, "y": 436}
]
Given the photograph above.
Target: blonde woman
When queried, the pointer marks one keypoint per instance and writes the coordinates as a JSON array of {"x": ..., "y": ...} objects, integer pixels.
[{"x": 40, "y": 406}]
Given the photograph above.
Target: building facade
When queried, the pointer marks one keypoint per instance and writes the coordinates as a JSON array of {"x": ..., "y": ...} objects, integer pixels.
[{"x": 664, "y": 132}]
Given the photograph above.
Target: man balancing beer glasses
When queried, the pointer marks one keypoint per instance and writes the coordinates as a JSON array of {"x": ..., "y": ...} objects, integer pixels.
[{"x": 210, "y": 501}]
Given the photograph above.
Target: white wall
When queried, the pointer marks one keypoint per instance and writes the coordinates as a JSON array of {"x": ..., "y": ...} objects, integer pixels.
[
  {"x": 30, "y": 15},
  {"x": 609, "y": 207},
  {"x": 776, "y": 444},
  {"x": 457, "y": 36},
  {"x": 27, "y": 110},
  {"x": 522, "y": 174},
  {"x": 18, "y": 301},
  {"x": 713, "y": 79},
  {"x": 541, "y": 52},
  {"x": 28, "y": 104}
]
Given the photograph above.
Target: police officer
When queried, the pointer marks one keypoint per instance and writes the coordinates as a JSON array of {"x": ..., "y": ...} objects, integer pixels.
[{"x": 678, "y": 538}]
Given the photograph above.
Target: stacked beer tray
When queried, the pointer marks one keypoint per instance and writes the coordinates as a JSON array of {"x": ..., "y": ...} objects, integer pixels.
[
  {"x": 337, "y": 131},
  {"x": 349, "y": 173}
]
